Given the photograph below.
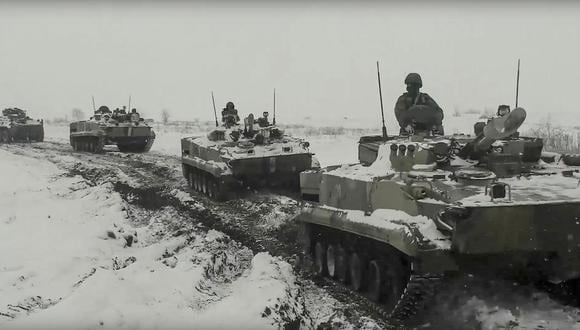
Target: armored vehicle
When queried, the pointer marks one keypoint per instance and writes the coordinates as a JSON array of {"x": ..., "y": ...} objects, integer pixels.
[
  {"x": 255, "y": 156},
  {"x": 420, "y": 206},
  {"x": 128, "y": 131},
  {"x": 15, "y": 125}
]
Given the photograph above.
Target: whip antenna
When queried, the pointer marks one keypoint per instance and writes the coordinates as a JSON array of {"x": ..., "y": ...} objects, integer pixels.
[
  {"x": 381, "y": 98},
  {"x": 518, "y": 83},
  {"x": 274, "y": 118},
  {"x": 214, "y": 111}
]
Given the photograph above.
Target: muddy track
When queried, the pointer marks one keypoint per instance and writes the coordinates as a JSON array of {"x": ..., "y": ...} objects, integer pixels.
[{"x": 149, "y": 181}]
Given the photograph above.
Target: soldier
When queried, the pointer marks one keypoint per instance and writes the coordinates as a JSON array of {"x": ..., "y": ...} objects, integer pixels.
[
  {"x": 116, "y": 114},
  {"x": 263, "y": 121},
  {"x": 503, "y": 110},
  {"x": 230, "y": 115},
  {"x": 133, "y": 116},
  {"x": 431, "y": 114}
]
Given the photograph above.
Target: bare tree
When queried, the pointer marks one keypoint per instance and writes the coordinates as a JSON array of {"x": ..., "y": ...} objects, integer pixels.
[
  {"x": 77, "y": 114},
  {"x": 165, "y": 116}
]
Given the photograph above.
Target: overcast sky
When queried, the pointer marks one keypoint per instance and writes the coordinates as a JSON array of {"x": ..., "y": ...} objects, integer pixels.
[{"x": 319, "y": 57}]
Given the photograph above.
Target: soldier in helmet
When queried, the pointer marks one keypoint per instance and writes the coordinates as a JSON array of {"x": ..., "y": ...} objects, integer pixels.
[
  {"x": 263, "y": 121},
  {"x": 503, "y": 110},
  {"x": 230, "y": 115},
  {"x": 416, "y": 110},
  {"x": 133, "y": 116}
]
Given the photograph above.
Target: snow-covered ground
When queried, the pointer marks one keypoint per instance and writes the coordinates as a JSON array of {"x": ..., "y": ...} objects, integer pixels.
[{"x": 72, "y": 259}]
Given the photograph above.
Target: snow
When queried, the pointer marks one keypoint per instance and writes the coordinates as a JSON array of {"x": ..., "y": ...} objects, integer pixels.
[
  {"x": 70, "y": 265},
  {"x": 487, "y": 303},
  {"x": 535, "y": 189},
  {"x": 396, "y": 220}
]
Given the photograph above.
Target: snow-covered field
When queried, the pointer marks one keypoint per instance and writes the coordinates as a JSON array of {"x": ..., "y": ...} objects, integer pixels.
[
  {"x": 72, "y": 259},
  {"x": 77, "y": 254}
]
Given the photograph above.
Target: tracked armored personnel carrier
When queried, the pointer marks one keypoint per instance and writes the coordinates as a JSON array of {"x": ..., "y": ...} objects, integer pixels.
[
  {"x": 226, "y": 159},
  {"x": 421, "y": 206},
  {"x": 128, "y": 131},
  {"x": 15, "y": 125}
]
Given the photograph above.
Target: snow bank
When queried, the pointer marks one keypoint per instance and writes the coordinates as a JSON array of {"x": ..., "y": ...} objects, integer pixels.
[{"x": 68, "y": 262}]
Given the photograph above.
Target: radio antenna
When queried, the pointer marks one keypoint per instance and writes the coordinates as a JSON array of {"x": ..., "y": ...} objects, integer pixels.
[
  {"x": 518, "y": 83},
  {"x": 214, "y": 111},
  {"x": 381, "y": 99}
]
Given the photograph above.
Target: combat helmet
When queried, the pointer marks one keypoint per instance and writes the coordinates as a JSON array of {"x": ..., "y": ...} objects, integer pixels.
[{"x": 414, "y": 78}]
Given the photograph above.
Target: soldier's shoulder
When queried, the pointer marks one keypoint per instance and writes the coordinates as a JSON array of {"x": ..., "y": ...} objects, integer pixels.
[
  {"x": 403, "y": 96},
  {"x": 426, "y": 96}
]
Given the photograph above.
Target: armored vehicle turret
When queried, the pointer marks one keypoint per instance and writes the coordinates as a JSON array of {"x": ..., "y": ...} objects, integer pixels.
[
  {"x": 128, "y": 131},
  {"x": 261, "y": 155},
  {"x": 15, "y": 125},
  {"x": 420, "y": 206}
]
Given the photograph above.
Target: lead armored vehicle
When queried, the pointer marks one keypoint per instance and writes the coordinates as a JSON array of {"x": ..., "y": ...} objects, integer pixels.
[
  {"x": 128, "y": 131},
  {"x": 229, "y": 157},
  {"x": 15, "y": 125},
  {"x": 420, "y": 206}
]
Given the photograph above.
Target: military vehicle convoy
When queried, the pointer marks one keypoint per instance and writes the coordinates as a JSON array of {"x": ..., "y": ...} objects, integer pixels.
[
  {"x": 420, "y": 206},
  {"x": 226, "y": 159},
  {"x": 128, "y": 131},
  {"x": 15, "y": 126}
]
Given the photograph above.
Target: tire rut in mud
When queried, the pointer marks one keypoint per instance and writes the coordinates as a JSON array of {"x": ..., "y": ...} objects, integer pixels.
[{"x": 157, "y": 197}]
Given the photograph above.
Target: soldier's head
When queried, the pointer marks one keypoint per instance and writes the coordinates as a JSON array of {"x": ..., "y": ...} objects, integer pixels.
[
  {"x": 230, "y": 105},
  {"x": 414, "y": 83},
  {"x": 503, "y": 110},
  {"x": 265, "y": 114},
  {"x": 133, "y": 110}
]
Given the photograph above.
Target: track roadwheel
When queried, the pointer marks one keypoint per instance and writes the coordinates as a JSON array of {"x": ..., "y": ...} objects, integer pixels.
[
  {"x": 204, "y": 184},
  {"x": 197, "y": 181},
  {"x": 331, "y": 260},
  {"x": 356, "y": 271},
  {"x": 200, "y": 182},
  {"x": 187, "y": 175},
  {"x": 375, "y": 287},
  {"x": 394, "y": 282},
  {"x": 220, "y": 195},
  {"x": 341, "y": 264},
  {"x": 211, "y": 187},
  {"x": 319, "y": 259},
  {"x": 305, "y": 238}
]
